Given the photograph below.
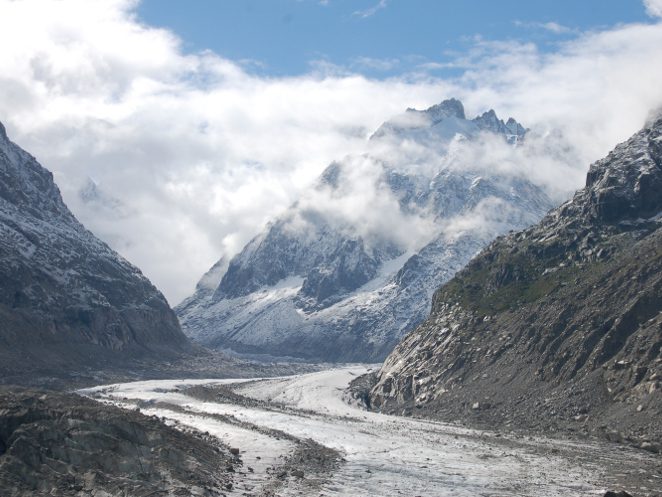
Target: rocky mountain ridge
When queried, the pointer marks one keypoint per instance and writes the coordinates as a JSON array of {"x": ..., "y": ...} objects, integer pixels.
[
  {"x": 67, "y": 300},
  {"x": 444, "y": 119},
  {"x": 555, "y": 327},
  {"x": 314, "y": 285}
]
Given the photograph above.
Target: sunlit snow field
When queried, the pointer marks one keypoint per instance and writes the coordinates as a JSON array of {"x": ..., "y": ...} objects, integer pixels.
[{"x": 383, "y": 455}]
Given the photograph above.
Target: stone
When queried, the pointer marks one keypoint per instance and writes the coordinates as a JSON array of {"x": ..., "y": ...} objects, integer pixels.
[{"x": 65, "y": 441}]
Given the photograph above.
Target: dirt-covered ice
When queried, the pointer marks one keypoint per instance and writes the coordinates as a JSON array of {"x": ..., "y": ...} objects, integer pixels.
[{"x": 381, "y": 455}]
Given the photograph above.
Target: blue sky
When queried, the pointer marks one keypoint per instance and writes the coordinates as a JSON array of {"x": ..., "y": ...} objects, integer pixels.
[{"x": 373, "y": 37}]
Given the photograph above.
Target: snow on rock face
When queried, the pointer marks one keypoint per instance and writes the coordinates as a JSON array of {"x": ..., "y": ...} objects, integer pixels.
[
  {"x": 66, "y": 298},
  {"x": 628, "y": 182},
  {"x": 367, "y": 246},
  {"x": 333, "y": 263},
  {"x": 443, "y": 121}
]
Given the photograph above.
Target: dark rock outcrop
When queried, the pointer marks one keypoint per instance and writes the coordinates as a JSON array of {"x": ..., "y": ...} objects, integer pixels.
[
  {"x": 558, "y": 326},
  {"x": 67, "y": 445},
  {"x": 67, "y": 300}
]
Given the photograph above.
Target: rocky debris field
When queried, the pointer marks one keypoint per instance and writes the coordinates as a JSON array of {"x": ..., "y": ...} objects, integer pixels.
[{"x": 66, "y": 445}]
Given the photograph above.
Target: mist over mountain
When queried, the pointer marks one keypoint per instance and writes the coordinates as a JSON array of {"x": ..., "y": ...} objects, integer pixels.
[{"x": 352, "y": 265}]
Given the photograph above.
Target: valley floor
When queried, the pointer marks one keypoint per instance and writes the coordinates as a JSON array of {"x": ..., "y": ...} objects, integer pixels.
[{"x": 298, "y": 436}]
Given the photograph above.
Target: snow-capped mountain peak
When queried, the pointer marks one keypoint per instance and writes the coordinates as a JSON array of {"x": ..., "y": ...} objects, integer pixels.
[
  {"x": 438, "y": 112},
  {"x": 439, "y": 124},
  {"x": 352, "y": 265}
]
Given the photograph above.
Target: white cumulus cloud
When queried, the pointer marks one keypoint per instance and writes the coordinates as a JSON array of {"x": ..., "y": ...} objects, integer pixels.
[
  {"x": 371, "y": 11},
  {"x": 191, "y": 155},
  {"x": 653, "y": 7}
]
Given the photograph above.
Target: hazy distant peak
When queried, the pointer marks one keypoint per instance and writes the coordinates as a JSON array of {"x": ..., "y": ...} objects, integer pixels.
[
  {"x": 330, "y": 176},
  {"x": 448, "y": 108}
]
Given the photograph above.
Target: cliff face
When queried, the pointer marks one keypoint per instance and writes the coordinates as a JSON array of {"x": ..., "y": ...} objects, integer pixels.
[
  {"x": 66, "y": 299},
  {"x": 558, "y": 326}
]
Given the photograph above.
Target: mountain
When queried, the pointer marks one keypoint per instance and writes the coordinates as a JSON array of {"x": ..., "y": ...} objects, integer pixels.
[
  {"x": 558, "y": 326},
  {"x": 67, "y": 301},
  {"x": 352, "y": 265},
  {"x": 444, "y": 121}
]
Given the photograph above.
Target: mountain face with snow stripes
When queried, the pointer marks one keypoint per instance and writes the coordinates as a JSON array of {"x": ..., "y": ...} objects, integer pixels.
[{"x": 352, "y": 265}]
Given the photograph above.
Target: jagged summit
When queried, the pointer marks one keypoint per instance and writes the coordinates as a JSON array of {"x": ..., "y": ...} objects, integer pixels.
[
  {"x": 491, "y": 122},
  {"x": 448, "y": 108},
  {"x": 514, "y": 127},
  {"x": 443, "y": 121}
]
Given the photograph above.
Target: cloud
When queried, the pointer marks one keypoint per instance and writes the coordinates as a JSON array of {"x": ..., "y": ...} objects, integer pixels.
[
  {"x": 192, "y": 154},
  {"x": 585, "y": 86},
  {"x": 366, "y": 195},
  {"x": 200, "y": 153},
  {"x": 552, "y": 27},
  {"x": 555, "y": 27},
  {"x": 363, "y": 205},
  {"x": 372, "y": 10},
  {"x": 653, "y": 7},
  {"x": 375, "y": 64}
]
